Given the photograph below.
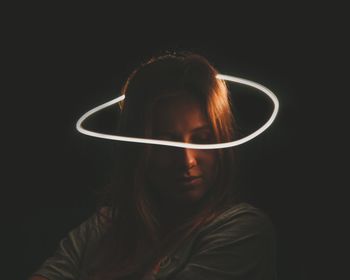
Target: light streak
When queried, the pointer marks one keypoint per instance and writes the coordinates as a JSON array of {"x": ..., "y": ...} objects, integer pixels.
[{"x": 245, "y": 139}]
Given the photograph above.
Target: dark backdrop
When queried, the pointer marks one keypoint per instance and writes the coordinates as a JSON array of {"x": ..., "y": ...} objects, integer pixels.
[{"x": 63, "y": 61}]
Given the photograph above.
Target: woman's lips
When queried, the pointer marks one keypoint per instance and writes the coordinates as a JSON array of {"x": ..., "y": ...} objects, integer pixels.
[{"x": 189, "y": 181}]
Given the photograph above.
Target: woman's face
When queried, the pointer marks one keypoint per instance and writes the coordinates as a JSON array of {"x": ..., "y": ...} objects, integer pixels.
[{"x": 180, "y": 118}]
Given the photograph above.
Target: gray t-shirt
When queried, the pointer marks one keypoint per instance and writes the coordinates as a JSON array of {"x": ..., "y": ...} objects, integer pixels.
[{"x": 238, "y": 245}]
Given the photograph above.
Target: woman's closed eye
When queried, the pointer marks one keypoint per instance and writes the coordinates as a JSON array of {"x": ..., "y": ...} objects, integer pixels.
[
  {"x": 197, "y": 138},
  {"x": 202, "y": 138}
]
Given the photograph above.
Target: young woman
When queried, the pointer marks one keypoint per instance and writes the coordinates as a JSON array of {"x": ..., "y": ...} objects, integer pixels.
[{"x": 170, "y": 213}]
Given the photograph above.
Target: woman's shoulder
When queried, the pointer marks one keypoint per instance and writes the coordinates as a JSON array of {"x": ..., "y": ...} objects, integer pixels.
[
  {"x": 242, "y": 235},
  {"x": 104, "y": 216},
  {"x": 241, "y": 218},
  {"x": 104, "y": 213},
  {"x": 243, "y": 209},
  {"x": 98, "y": 221}
]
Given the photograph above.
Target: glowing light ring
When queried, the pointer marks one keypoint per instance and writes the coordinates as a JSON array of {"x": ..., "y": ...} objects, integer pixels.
[{"x": 182, "y": 144}]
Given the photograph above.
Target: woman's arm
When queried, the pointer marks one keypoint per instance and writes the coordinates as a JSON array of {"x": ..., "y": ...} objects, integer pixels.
[
  {"x": 241, "y": 248},
  {"x": 36, "y": 277},
  {"x": 66, "y": 261}
]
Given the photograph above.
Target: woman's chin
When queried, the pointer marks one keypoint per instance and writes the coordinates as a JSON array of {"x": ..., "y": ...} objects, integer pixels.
[
  {"x": 189, "y": 196},
  {"x": 182, "y": 193}
]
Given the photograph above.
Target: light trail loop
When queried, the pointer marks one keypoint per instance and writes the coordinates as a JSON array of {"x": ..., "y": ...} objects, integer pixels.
[{"x": 245, "y": 139}]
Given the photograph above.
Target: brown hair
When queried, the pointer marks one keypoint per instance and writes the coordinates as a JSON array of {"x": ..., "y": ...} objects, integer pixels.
[{"x": 132, "y": 244}]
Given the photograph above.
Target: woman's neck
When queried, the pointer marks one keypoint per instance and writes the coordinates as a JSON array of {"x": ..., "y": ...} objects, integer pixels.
[{"x": 171, "y": 215}]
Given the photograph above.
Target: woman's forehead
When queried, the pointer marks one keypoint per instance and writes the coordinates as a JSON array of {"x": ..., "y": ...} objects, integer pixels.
[{"x": 179, "y": 113}]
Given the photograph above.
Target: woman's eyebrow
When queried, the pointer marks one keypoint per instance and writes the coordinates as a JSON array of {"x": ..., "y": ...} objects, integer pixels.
[{"x": 202, "y": 127}]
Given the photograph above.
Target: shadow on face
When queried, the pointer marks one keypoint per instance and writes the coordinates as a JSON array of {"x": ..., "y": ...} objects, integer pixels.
[{"x": 181, "y": 175}]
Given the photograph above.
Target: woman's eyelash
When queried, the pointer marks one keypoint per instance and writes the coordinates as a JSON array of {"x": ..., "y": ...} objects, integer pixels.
[
  {"x": 199, "y": 137},
  {"x": 202, "y": 137}
]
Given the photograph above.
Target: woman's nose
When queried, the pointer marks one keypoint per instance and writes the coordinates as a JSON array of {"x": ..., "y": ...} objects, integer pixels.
[{"x": 188, "y": 157}]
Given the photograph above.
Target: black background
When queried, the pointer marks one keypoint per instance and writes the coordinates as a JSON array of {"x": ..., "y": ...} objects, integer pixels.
[{"x": 62, "y": 61}]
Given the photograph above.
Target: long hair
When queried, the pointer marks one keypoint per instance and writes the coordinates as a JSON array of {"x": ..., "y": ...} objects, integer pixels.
[{"x": 132, "y": 244}]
